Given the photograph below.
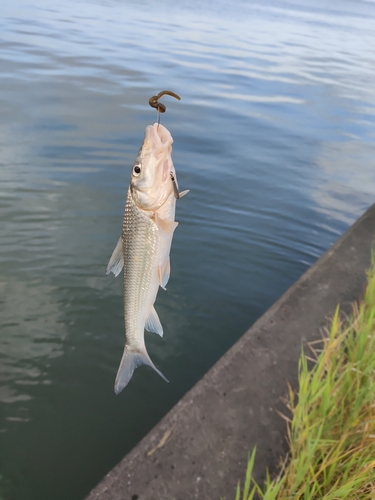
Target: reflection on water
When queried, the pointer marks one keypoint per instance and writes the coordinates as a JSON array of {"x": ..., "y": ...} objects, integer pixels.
[{"x": 274, "y": 137}]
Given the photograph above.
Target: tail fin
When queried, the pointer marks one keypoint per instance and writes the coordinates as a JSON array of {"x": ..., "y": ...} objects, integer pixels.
[{"x": 129, "y": 362}]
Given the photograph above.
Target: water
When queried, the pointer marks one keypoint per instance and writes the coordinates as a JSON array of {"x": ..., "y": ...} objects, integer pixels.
[{"x": 274, "y": 137}]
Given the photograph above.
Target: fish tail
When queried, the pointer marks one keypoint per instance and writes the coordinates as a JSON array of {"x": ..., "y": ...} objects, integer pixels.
[{"x": 129, "y": 362}]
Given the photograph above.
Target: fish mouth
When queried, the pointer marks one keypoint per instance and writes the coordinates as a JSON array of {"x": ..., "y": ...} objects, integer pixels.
[{"x": 158, "y": 138}]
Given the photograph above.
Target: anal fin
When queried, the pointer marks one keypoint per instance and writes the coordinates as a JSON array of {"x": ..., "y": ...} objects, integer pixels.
[{"x": 153, "y": 323}]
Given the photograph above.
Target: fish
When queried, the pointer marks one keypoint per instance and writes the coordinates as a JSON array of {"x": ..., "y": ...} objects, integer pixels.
[{"x": 144, "y": 246}]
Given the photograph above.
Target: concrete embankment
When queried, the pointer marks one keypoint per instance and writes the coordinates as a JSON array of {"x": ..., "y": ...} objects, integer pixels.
[{"x": 205, "y": 439}]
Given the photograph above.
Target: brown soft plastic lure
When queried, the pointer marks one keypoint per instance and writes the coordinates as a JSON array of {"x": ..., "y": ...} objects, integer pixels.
[{"x": 160, "y": 107}]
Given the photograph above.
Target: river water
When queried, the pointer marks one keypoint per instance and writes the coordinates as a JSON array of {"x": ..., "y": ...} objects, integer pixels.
[{"x": 275, "y": 138}]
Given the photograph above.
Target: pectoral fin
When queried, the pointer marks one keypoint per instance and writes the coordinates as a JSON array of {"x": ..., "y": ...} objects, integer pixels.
[
  {"x": 177, "y": 195},
  {"x": 180, "y": 195},
  {"x": 153, "y": 323},
  {"x": 116, "y": 262}
]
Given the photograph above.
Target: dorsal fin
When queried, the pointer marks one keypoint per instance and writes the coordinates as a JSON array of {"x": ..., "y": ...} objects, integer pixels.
[{"x": 116, "y": 262}]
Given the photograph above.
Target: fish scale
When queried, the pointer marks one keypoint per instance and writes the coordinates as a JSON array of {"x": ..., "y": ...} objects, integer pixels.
[{"x": 140, "y": 240}]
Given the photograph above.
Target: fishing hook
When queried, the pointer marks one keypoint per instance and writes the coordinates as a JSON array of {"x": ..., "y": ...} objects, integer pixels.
[{"x": 160, "y": 107}]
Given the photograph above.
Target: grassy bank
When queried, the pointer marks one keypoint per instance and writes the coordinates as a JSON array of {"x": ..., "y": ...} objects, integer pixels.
[{"x": 332, "y": 430}]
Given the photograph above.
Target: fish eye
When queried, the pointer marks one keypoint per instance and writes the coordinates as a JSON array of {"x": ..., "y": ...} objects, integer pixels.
[{"x": 136, "y": 170}]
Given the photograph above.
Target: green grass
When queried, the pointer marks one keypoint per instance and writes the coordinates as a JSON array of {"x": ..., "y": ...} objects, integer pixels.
[{"x": 332, "y": 430}]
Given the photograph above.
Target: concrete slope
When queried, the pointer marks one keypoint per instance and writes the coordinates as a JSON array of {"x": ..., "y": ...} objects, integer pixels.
[{"x": 207, "y": 436}]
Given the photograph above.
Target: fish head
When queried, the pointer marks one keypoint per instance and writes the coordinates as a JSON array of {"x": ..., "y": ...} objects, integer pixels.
[{"x": 151, "y": 183}]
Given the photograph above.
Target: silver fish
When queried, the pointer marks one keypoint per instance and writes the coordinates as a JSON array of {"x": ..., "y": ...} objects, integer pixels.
[{"x": 144, "y": 246}]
